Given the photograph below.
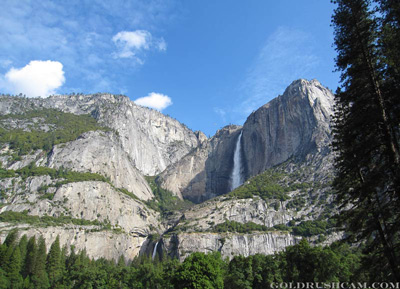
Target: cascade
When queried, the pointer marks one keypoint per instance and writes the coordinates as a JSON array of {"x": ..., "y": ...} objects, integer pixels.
[
  {"x": 154, "y": 251},
  {"x": 236, "y": 178}
]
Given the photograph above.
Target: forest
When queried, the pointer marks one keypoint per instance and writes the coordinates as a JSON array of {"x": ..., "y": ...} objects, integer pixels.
[{"x": 24, "y": 263}]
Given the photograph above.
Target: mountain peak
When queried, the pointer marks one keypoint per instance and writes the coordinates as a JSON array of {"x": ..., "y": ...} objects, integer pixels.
[
  {"x": 292, "y": 125},
  {"x": 318, "y": 96}
]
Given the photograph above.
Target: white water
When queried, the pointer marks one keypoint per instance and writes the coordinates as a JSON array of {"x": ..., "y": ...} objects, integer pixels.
[
  {"x": 236, "y": 178},
  {"x": 154, "y": 251}
]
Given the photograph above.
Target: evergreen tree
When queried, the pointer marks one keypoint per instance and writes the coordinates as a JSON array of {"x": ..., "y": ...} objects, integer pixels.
[
  {"x": 4, "y": 283},
  {"x": 30, "y": 260},
  {"x": 39, "y": 275},
  {"x": 23, "y": 243},
  {"x": 390, "y": 50},
  {"x": 200, "y": 270},
  {"x": 14, "y": 269},
  {"x": 8, "y": 249},
  {"x": 11, "y": 238},
  {"x": 365, "y": 139},
  {"x": 267, "y": 270},
  {"x": 3, "y": 252},
  {"x": 240, "y": 273},
  {"x": 53, "y": 266},
  {"x": 63, "y": 261},
  {"x": 121, "y": 261}
]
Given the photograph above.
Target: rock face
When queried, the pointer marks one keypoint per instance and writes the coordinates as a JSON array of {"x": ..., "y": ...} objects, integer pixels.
[
  {"x": 205, "y": 172},
  {"x": 123, "y": 222},
  {"x": 152, "y": 140},
  {"x": 101, "y": 153},
  {"x": 289, "y": 137},
  {"x": 97, "y": 244},
  {"x": 228, "y": 244},
  {"x": 293, "y": 125},
  {"x": 91, "y": 201}
]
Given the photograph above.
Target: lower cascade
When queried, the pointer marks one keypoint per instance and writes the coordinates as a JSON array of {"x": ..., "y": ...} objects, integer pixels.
[
  {"x": 154, "y": 251},
  {"x": 236, "y": 178}
]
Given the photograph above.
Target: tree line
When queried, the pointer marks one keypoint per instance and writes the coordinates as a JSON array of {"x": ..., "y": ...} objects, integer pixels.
[{"x": 25, "y": 263}]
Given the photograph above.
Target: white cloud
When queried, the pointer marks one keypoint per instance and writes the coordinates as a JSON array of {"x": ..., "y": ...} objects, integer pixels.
[
  {"x": 155, "y": 100},
  {"x": 38, "y": 78},
  {"x": 78, "y": 34},
  {"x": 131, "y": 43}
]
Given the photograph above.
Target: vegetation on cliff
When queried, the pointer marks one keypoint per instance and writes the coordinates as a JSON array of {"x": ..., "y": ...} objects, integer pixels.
[
  {"x": 25, "y": 264},
  {"x": 165, "y": 201},
  {"x": 43, "y": 128}
]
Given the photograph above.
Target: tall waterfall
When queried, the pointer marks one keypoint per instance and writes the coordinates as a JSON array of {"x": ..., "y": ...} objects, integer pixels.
[
  {"x": 236, "y": 178},
  {"x": 154, "y": 251}
]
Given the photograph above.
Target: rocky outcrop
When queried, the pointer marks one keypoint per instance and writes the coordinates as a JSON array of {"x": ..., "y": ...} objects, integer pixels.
[
  {"x": 90, "y": 200},
  {"x": 152, "y": 140},
  {"x": 289, "y": 136},
  {"x": 205, "y": 216},
  {"x": 228, "y": 244},
  {"x": 99, "y": 152},
  {"x": 123, "y": 226},
  {"x": 292, "y": 125},
  {"x": 97, "y": 244},
  {"x": 205, "y": 172}
]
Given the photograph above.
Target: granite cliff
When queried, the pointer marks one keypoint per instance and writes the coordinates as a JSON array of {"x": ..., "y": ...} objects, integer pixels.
[
  {"x": 292, "y": 126},
  {"x": 91, "y": 186}
]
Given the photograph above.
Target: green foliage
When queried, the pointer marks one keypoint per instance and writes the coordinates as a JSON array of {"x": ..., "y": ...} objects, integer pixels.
[
  {"x": 297, "y": 203},
  {"x": 200, "y": 270},
  {"x": 298, "y": 263},
  {"x": 305, "y": 228},
  {"x": 265, "y": 185},
  {"x": 257, "y": 271},
  {"x": 366, "y": 127},
  {"x": 269, "y": 185},
  {"x": 65, "y": 127},
  {"x": 164, "y": 200},
  {"x": 53, "y": 265},
  {"x": 6, "y": 173},
  {"x": 23, "y": 217},
  {"x": 31, "y": 252},
  {"x": 39, "y": 275},
  {"x": 310, "y": 228},
  {"x": 282, "y": 227},
  {"x": 128, "y": 193},
  {"x": 233, "y": 226},
  {"x": 69, "y": 176}
]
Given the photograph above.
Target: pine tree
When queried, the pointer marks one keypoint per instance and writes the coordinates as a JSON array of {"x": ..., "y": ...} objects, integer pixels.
[
  {"x": 11, "y": 238},
  {"x": 364, "y": 135},
  {"x": 54, "y": 268},
  {"x": 23, "y": 243},
  {"x": 14, "y": 269},
  {"x": 390, "y": 47},
  {"x": 8, "y": 249},
  {"x": 39, "y": 275},
  {"x": 30, "y": 259},
  {"x": 4, "y": 283}
]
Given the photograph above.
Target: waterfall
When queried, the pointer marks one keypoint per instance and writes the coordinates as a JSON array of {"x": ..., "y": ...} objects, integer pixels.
[
  {"x": 236, "y": 178},
  {"x": 154, "y": 251}
]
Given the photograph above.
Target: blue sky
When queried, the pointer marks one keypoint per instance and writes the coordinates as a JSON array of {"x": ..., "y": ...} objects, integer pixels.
[{"x": 206, "y": 63}]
